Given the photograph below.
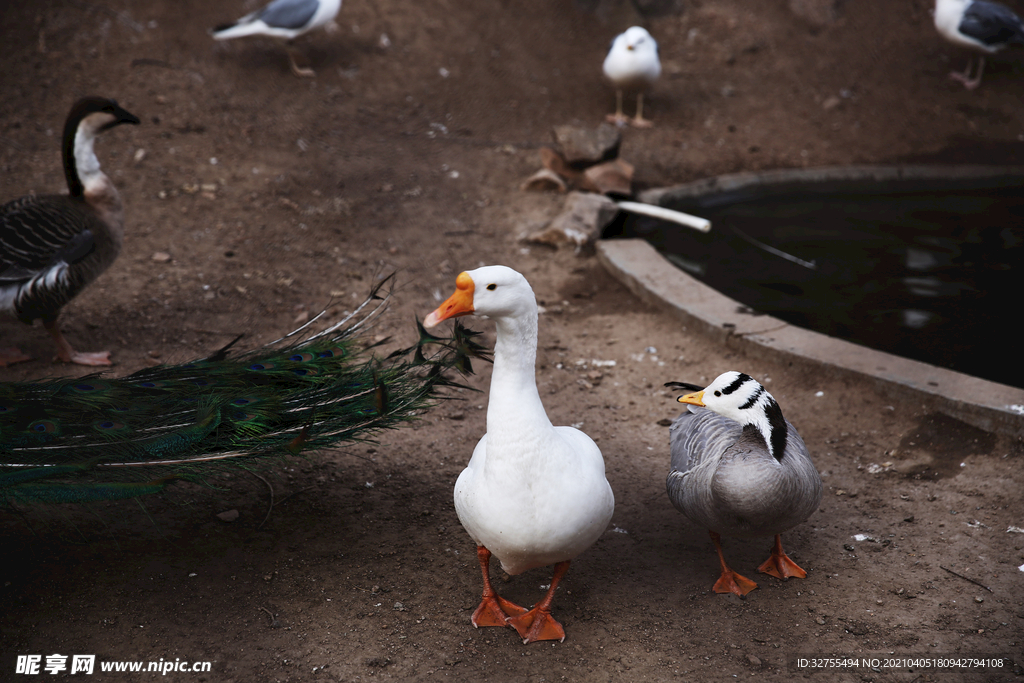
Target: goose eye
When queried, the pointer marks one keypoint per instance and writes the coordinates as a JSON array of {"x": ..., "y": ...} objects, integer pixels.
[
  {"x": 718, "y": 393},
  {"x": 491, "y": 287}
]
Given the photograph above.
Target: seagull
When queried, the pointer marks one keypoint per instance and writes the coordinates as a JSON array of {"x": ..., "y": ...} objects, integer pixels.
[
  {"x": 285, "y": 19},
  {"x": 632, "y": 64},
  {"x": 980, "y": 25}
]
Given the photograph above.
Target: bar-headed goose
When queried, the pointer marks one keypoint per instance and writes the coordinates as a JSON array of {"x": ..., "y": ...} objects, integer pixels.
[{"x": 740, "y": 469}]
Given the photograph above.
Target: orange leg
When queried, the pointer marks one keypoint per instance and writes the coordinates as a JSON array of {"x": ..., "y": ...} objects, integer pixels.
[
  {"x": 68, "y": 354},
  {"x": 729, "y": 581},
  {"x": 494, "y": 610},
  {"x": 538, "y": 624},
  {"x": 779, "y": 565}
]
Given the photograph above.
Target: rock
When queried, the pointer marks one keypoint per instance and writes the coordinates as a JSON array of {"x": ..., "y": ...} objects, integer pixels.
[
  {"x": 228, "y": 516},
  {"x": 754, "y": 661},
  {"x": 544, "y": 180},
  {"x": 556, "y": 163},
  {"x": 161, "y": 257},
  {"x": 611, "y": 177},
  {"x": 817, "y": 13},
  {"x": 581, "y": 222},
  {"x": 659, "y": 8},
  {"x": 584, "y": 146}
]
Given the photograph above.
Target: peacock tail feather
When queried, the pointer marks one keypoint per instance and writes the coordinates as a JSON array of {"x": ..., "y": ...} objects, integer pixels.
[{"x": 100, "y": 438}]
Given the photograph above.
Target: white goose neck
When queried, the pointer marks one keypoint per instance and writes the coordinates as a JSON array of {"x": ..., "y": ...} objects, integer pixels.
[
  {"x": 514, "y": 403},
  {"x": 86, "y": 164}
]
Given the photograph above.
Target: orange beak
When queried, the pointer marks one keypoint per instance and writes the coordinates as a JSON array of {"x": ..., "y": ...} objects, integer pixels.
[
  {"x": 694, "y": 399},
  {"x": 458, "y": 304}
]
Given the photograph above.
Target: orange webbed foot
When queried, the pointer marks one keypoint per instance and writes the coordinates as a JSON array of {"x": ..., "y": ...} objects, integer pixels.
[
  {"x": 495, "y": 611},
  {"x": 537, "y": 625},
  {"x": 731, "y": 582},
  {"x": 779, "y": 565}
]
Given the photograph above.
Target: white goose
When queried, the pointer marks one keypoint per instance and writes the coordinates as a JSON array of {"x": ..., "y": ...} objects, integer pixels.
[
  {"x": 532, "y": 494},
  {"x": 740, "y": 469}
]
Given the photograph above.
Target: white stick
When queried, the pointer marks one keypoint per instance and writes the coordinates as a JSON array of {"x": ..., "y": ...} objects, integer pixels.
[{"x": 695, "y": 222}]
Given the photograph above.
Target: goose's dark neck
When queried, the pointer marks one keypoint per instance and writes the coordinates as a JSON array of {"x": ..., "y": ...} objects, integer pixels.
[{"x": 772, "y": 430}]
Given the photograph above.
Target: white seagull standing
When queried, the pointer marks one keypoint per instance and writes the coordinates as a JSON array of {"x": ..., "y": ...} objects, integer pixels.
[
  {"x": 984, "y": 26},
  {"x": 632, "y": 64},
  {"x": 285, "y": 19}
]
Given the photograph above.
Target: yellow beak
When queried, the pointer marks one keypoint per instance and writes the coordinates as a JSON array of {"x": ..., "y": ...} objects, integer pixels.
[{"x": 695, "y": 399}]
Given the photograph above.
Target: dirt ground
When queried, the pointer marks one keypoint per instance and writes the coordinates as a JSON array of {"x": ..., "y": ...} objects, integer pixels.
[{"x": 274, "y": 196}]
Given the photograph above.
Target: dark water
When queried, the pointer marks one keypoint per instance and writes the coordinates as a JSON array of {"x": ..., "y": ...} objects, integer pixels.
[{"x": 933, "y": 275}]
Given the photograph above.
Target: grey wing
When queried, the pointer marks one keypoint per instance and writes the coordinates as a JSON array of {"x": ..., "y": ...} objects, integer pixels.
[
  {"x": 698, "y": 436},
  {"x": 38, "y": 233},
  {"x": 293, "y": 14},
  {"x": 697, "y": 440},
  {"x": 809, "y": 481},
  {"x": 991, "y": 23}
]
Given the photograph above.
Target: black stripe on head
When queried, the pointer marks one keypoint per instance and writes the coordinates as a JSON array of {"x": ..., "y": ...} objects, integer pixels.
[
  {"x": 780, "y": 430},
  {"x": 752, "y": 401},
  {"x": 740, "y": 380}
]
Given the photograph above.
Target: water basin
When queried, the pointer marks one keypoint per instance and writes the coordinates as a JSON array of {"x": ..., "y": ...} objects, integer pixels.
[{"x": 922, "y": 262}]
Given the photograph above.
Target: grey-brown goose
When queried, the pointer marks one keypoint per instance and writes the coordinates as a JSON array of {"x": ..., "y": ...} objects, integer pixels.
[
  {"x": 740, "y": 469},
  {"x": 52, "y": 246}
]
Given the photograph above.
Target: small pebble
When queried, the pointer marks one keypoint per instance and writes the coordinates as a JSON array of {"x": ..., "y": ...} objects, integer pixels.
[{"x": 228, "y": 516}]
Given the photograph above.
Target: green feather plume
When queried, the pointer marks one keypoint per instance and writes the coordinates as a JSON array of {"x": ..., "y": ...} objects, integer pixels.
[{"x": 100, "y": 438}]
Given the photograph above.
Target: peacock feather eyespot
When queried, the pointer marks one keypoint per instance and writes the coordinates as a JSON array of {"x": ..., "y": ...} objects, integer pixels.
[
  {"x": 241, "y": 401},
  {"x": 43, "y": 427},
  {"x": 301, "y": 357},
  {"x": 240, "y": 416},
  {"x": 151, "y": 385},
  {"x": 306, "y": 372},
  {"x": 88, "y": 387},
  {"x": 336, "y": 352},
  {"x": 262, "y": 366},
  {"x": 107, "y": 425}
]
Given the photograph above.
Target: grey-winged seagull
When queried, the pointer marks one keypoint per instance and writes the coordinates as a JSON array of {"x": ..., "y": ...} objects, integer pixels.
[
  {"x": 284, "y": 19},
  {"x": 980, "y": 25}
]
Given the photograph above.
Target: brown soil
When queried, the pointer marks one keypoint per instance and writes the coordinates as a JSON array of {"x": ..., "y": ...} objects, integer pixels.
[{"x": 361, "y": 570}]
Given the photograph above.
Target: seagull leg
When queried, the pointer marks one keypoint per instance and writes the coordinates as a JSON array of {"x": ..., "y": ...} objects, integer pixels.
[
  {"x": 965, "y": 77},
  {"x": 618, "y": 118},
  {"x": 302, "y": 72},
  {"x": 639, "y": 121},
  {"x": 538, "y": 624},
  {"x": 494, "y": 610},
  {"x": 729, "y": 581},
  {"x": 779, "y": 565},
  {"x": 68, "y": 354},
  {"x": 12, "y": 355}
]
